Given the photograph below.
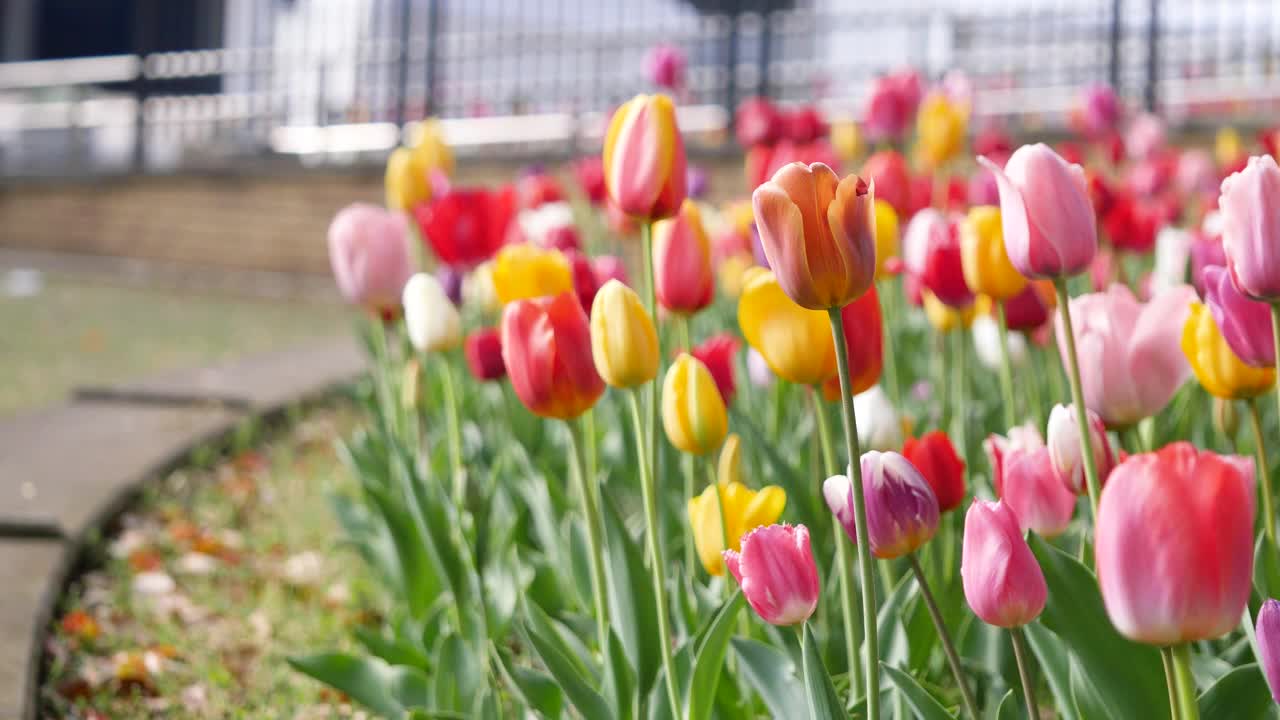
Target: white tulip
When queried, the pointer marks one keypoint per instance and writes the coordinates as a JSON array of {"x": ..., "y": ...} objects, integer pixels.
[
  {"x": 536, "y": 223},
  {"x": 429, "y": 316},
  {"x": 1173, "y": 252},
  {"x": 478, "y": 290},
  {"x": 986, "y": 341},
  {"x": 879, "y": 424}
]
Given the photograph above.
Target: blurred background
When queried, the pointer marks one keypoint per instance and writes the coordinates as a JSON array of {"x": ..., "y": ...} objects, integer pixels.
[{"x": 168, "y": 169}]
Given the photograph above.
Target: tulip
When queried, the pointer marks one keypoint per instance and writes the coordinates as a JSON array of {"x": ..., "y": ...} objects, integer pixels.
[
  {"x": 466, "y": 226},
  {"x": 693, "y": 412},
  {"x": 431, "y": 150},
  {"x": 983, "y": 189},
  {"x": 931, "y": 253},
  {"x": 902, "y": 511},
  {"x": 936, "y": 459},
  {"x": 1145, "y": 137},
  {"x": 846, "y": 140},
  {"x": 987, "y": 269},
  {"x": 1003, "y": 583},
  {"x": 818, "y": 233},
  {"x": 717, "y": 353},
  {"x": 986, "y": 343},
  {"x": 644, "y": 161},
  {"x": 777, "y": 573},
  {"x": 1197, "y": 174},
  {"x": 1267, "y": 631},
  {"x": 1215, "y": 365},
  {"x": 589, "y": 172},
  {"x": 609, "y": 267},
  {"x": 879, "y": 424},
  {"x": 624, "y": 342},
  {"x": 888, "y": 171},
  {"x": 1065, "y": 449},
  {"x": 536, "y": 188},
  {"x": 478, "y": 290},
  {"x": 941, "y": 126},
  {"x": 1244, "y": 323},
  {"x": 430, "y": 319},
  {"x": 525, "y": 271},
  {"x": 483, "y": 349},
  {"x": 891, "y": 102},
  {"x": 886, "y": 220},
  {"x": 1130, "y": 359},
  {"x": 743, "y": 511},
  {"x": 1025, "y": 479},
  {"x": 682, "y": 261},
  {"x": 1030, "y": 309},
  {"x": 944, "y": 318},
  {"x": 1206, "y": 251},
  {"x": 450, "y": 280},
  {"x": 1174, "y": 544},
  {"x": 1099, "y": 110},
  {"x": 1049, "y": 226},
  {"x": 369, "y": 253},
  {"x": 406, "y": 180},
  {"x": 758, "y": 369},
  {"x": 665, "y": 66},
  {"x": 546, "y": 347},
  {"x": 1228, "y": 148},
  {"x": 698, "y": 182},
  {"x": 804, "y": 125},
  {"x": 795, "y": 343},
  {"x": 1251, "y": 228},
  {"x": 1130, "y": 225},
  {"x": 864, "y": 338},
  {"x": 1173, "y": 251},
  {"x": 757, "y": 122}
]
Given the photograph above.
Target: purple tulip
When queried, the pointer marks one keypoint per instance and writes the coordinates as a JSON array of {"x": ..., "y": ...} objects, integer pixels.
[
  {"x": 451, "y": 281},
  {"x": 902, "y": 511},
  {"x": 1268, "y": 634},
  {"x": 1245, "y": 323}
]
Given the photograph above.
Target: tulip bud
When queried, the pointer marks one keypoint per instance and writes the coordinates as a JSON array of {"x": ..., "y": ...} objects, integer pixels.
[
  {"x": 430, "y": 319},
  {"x": 406, "y": 180},
  {"x": 936, "y": 459},
  {"x": 624, "y": 342},
  {"x": 1174, "y": 544},
  {"x": 717, "y": 353},
  {"x": 1024, "y": 478},
  {"x": 743, "y": 511},
  {"x": 369, "y": 253},
  {"x": 466, "y": 226},
  {"x": 585, "y": 283},
  {"x": 887, "y": 240},
  {"x": 1049, "y": 227},
  {"x": 483, "y": 349},
  {"x": 1268, "y": 633},
  {"x": 609, "y": 267},
  {"x": 777, "y": 573},
  {"x": 683, "y": 281},
  {"x": 987, "y": 269},
  {"x": 944, "y": 318},
  {"x": 693, "y": 413},
  {"x": 1064, "y": 448},
  {"x": 818, "y": 234},
  {"x": 1217, "y": 368},
  {"x": 546, "y": 347},
  {"x": 644, "y": 160},
  {"x": 1245, "y": 324},
  {"x": 1003, "y": 583},
  {"x": 795, "y": 342},
  {"x": 523, "y": 271},
  {"x": 879, "y": 424},
  {"x": 902, "y": 511},
  {"x": 941, "y": 126}
]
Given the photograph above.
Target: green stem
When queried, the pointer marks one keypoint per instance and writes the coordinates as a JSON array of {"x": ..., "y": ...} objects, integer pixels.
[
  {"x": 953, "y": 659},
  {"x": 594, "y": 539},
  {"x": 1171, "y": 680},
  {"x": 889, "y": 308},
  {"x": 657, "y": 566},
  {"x": 959, "y": 384},
  {"x": 454, "y": 433},
  {"x": 1006, "y": 370},
  {"x": 847, "y": 580},
  {"x": 1034, "y": 395},
  {"x": 381, "y": 376},
  {"x": 683, "y": 335},
  {"x": 1077, "y": 396},
  {"x": 1024, "y": 672},
  {"x": 872, "y": 659},
  {"x": 651, "y": 305},
  {"x": 1188, "y": 706},
  {"x": 690, "y": 549},
  {"x": 1264, "y": 477}
]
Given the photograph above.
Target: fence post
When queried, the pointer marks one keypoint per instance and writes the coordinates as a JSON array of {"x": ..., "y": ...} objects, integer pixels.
[
  {"x": 732, "y": 11},
  {"x": 766, "y": 40},
  {"x": 433, "y": 36},
  {"x": 402, "y": 78},
  {"x": 142, "y": 22},
  {"x": 1153, "y": 56},
  {"x": 1113, "y": 69}
]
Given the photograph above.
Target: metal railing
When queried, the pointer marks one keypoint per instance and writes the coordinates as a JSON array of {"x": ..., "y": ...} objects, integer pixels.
[{"x": 344, "y": 81}]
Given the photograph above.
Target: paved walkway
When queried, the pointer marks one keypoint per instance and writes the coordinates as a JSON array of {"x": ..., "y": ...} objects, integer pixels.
[{"x": 67, "y": 469}]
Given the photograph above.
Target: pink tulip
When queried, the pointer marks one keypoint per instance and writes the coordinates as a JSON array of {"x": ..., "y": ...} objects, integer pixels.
[
  {"x": 757, "y": 122},
  {"x": 1130, "y": 356},
  {"x": 891, "y": 104},
  {"x": 1245, "y": 324},
  {"x": 1024, "y": 478},
  {"x": 1206, "y": 251},
  {"x": 1100, "y": 110},
  {"x": 1174, "y": 543},
  {"x": 902, "y": 511},
  {"x": 369, "y": 253},
  {"x": 1064, "y": 448},
  {"x": 609, "y": 267},
  {"x": 1268, "y": 633},
  {"x": 1003, "y": 583},
  {"x": 1197, "y": 172},
  {"x": 1250, "y": 205},
  {"x": 665, "y": 66},
  {"x": 1049, "y": 225},
  {"x": 777, "y": 573},
  {"x": 1145, "y": 137}
]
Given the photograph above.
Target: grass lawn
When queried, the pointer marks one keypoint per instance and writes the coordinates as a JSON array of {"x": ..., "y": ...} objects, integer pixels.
[
  {"x": 216, "y": 577},
  {"x": 77, "y": 332}
]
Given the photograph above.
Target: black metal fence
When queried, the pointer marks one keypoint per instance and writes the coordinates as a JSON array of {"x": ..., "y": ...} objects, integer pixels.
[{"x": 342, "y": 81}]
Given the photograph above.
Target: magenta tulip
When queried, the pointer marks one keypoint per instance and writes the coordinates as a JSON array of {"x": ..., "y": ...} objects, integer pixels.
[
  {"x": 902, "y": 511},
  {"x": 1268, "y": 633},
  {"x": 1250, "y": 205},
  {"x": 1174, "y": 543},
  {"x": 1049, "y": 226},
  {"x": 1003, "y": 583},
  {"x": 1131, "y": 361},
  {"x": 777, "y": 573},
  {"x": 1245, "y": 323},
  {"x": 1065, "y": 452},
  {"x": 1024, "y": 478},
  {"x": 369, "y": 253},
  {"x": 1099, "y": 110}
]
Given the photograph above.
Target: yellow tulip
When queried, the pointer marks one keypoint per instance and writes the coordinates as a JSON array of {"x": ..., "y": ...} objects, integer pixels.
[
  {"x": 1227, "y": 147},
  {"x": 1216, "y": 367},
  {"x": 733, "y": 273},
  {"x": 624, "y": 342},
  {"x": 886, "y": 236},
  {"x": 522, "y": 271},
  {"x": 941, "y": 126},
  {"x": 794, "y": 341},
  {"x": 740, "y": 216},
  {"x": 406, "y": 181},
  {"x": 945, "y": 319},
  {"x": 430, "y": 149},
  {"x": 847, "y": 140},
  {"x": 693, "y": 413},
  {"x": 743, "y": 510},
  {"x": 986, "y": 265}
]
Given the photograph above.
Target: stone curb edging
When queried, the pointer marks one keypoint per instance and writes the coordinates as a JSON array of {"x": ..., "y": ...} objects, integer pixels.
[{"x": 70, "y": 469}]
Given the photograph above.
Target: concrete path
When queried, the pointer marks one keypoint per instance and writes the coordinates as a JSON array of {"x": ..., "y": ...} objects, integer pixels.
[{"x": 67, "y": 469}]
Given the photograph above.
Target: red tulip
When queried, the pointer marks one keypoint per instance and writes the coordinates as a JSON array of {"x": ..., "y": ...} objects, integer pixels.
[
  {"x": 609, "y": 267},
  {"x": 804, "y": 125},
  {"x": 585, "y": 282},
  {"x": 936, "y": 458},
  {"x": 1030, "y": 309},
  {"x": 546, "y": 347},
  {"x": 483, "y": 349},
  {"x": 864, "y": 337},
  {"x": 1130, "y": 225},
  {"x": 717, "y": 353},
  {"x": 943, "y": 272},
  {"x": 589, "y": 172},
  {"x": 536, "y": 189},
  {"x": 887, "y": 170},
  {"x": 683, "y": 278},
  {"x": 757, "y": 122},
  {"x": 465, "y": 227}
]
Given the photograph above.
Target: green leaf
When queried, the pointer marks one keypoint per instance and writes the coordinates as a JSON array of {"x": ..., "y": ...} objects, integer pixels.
[
  {"x": 894, "y": 643},
  {"x": 421, "y": 584},
  {"x": 620, "y": 680},
  {"x": 1008, "y": 709},
  {"x": 1129, "y": 677},
  {"x": 710, "y": 660},
  {"x": 457, "y": 679},
  {"x": 820, "y": 694},
  {"x": 631, "y": 595},
  {"x": 389, "y": 690},
  {"x": 1086, "y": 699},
  {"x": 1266, "y": 568},
  {"x": 570, "y": 678},
  {"x": 1241, "y": 693},
  {"x": 536, "y": 688},
  {"x": 924, "y": 705},
  {"x": 395, "y": 650},
  {"x": 1054, "y": 662},
  {"x": 772, "y": 673}
]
